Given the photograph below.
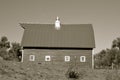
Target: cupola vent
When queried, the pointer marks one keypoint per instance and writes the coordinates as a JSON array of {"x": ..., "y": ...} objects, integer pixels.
[{"x": 57, "y": 23}]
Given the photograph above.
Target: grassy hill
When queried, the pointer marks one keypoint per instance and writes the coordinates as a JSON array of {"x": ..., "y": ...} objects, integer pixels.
[{"x": 10, "y": 70}]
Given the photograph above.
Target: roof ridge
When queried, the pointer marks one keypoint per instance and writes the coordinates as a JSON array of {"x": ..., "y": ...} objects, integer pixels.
[{"x": 53, "y": 24}]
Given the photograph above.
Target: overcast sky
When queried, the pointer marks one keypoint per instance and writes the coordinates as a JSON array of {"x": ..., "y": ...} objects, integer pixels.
[{"x": 104, "y": 15}]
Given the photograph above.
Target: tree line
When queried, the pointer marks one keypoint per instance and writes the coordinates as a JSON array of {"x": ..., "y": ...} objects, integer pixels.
[
  {"x": 10, "y": 51},
  {"x": 109, "y": 58}
]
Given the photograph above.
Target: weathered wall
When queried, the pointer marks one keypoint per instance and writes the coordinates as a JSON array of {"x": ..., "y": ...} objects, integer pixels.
[{"x": 57, "y": 57}]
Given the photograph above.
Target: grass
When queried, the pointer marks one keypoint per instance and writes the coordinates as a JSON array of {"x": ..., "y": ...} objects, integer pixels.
[{"x": 21, "y": 71}]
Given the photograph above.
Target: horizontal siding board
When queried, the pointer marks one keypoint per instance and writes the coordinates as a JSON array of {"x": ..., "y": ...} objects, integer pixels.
[{"x": 57, "y": 56}]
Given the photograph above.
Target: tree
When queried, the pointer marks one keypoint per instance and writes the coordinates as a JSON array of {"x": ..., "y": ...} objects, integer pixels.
[
  {"x": 8, "y": 52},
  {"x": 15, "y": 52},
  {"x": 4, "y": 45},
  {"x": 109, "y": 57},
  {"x": 101, "y": 59},
  {"x": 116, "y": 43}
]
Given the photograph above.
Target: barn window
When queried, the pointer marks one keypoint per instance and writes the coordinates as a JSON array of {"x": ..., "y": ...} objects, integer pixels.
[
  {"x": 32, "y": 57},
  {"x": 47, "y": 58},
  {"x": 82, "y": 59},
  {"x": 67, "y": 58}
]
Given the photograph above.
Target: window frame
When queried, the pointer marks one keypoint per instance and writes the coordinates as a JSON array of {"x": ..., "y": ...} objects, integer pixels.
[
  {"x": 82, "y": 58},
  {"x": 67, "y": 58},
  {"x": 47, "y": 57},
  {"x": 31, "y": 57}
]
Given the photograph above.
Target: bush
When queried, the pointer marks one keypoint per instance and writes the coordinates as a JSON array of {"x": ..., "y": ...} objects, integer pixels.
[
  {"x": 4, "y": 53},
  {"x": 74, "y": 73}
]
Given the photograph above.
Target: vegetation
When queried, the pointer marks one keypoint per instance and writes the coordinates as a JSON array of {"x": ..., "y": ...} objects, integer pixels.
[
  {"x": 109, "y": 58},
  {"x": 75, "y": 74},
  {"x": 10, "y": 70},
  {"x": 72, "y": 73},
  {"x": 112, "y": 75},
  {"x": 8, "y": 52}
]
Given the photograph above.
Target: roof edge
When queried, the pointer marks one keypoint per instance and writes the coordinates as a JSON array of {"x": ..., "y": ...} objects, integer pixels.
[
  {"x": 21, "y": 24},
  {"x": 24, "y": 27},
  {"x": 70, "y": 48}
]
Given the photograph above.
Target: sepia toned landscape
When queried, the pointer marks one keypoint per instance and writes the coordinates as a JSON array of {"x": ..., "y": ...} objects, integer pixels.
[{"x": 59, "y": 40}]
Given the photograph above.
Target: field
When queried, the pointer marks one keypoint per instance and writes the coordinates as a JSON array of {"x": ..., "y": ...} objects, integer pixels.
[{"x": 10, "y": 70}]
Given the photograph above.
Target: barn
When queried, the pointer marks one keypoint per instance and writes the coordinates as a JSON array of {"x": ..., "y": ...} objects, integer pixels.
[{"x": 58, "y": 44}]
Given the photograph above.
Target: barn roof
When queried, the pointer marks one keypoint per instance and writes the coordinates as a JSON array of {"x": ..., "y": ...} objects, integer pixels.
[{"x": 69, "y": 35}]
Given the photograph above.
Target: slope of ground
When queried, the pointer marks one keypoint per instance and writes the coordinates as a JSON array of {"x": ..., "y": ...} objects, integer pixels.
[{"x": 10, "y": 70}]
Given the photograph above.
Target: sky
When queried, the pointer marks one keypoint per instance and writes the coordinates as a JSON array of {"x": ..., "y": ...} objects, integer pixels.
[{"x": 104, "y": 15}]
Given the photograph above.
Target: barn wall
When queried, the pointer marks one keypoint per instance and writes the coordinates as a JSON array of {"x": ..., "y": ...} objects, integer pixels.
[{"x": 57, "y": 57}]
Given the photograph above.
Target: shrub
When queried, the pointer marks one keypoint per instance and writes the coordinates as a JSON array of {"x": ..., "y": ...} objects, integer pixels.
[
  {"x": 74, "y": 73},
  {"x": 4, "y": 53}
]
